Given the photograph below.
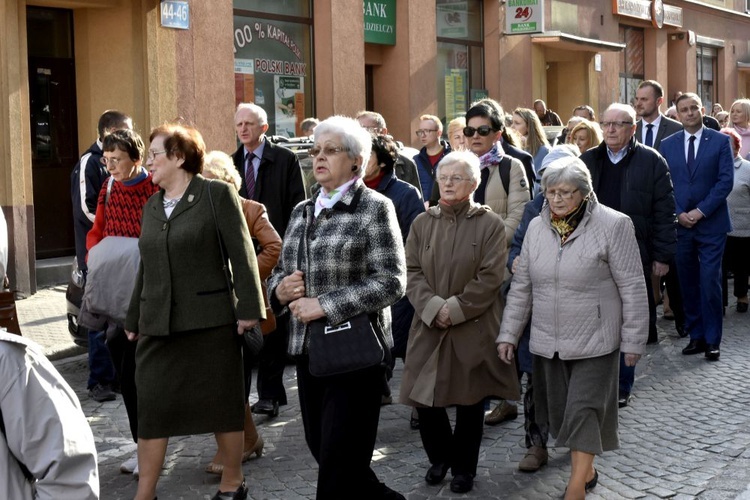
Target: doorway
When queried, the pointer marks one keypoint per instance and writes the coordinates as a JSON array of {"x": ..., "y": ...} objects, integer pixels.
[{"x": 54, "y": 127}]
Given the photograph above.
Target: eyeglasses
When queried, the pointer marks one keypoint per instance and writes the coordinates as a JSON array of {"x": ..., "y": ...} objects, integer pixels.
[
  {"x": 564, "y": 195},
  {"x": 327, "y": 151},
  {"x": 455, "y": 179},
  {"x": 484, "y": 131},
  {"x": 606, "y": 125},
  {"x": 373, "y": 130},
  {"x": 113, "y": 162},
  {"x": 152, "y": 154},
  {"x": 424, "y": 131}
]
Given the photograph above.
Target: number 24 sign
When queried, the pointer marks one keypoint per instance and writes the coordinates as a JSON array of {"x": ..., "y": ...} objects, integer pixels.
[{"x": 524, "y": 16}]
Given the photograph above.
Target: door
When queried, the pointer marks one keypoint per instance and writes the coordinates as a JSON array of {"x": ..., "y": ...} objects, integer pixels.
[{"x": 54, "y": 128}]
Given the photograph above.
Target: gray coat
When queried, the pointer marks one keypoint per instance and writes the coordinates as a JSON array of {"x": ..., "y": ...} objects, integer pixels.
[
  {"x": 739, "y": 200},
  {"x": 353, "y": 260},
  {"x": 588, "y": 294}
]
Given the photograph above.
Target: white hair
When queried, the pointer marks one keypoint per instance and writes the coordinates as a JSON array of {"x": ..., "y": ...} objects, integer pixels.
[
  {"x": 259, "y": 112},
  {"x": 356, "y": 140}
]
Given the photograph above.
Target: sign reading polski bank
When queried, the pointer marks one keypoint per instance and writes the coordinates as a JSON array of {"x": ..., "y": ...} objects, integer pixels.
[
  {"x": 524, "y": 16},
  {"x": 380, "y": 21}
]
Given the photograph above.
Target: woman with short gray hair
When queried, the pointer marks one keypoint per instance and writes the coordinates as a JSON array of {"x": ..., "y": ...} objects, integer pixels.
[{"x": 580, "y": 270}]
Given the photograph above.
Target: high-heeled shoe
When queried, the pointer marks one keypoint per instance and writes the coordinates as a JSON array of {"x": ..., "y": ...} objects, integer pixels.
[
  {"x": 257, "y": 450},
  {"x": 239, "y": 494}
]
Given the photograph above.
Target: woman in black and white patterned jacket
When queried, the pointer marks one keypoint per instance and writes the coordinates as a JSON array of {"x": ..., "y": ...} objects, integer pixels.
[{"x": 352, "y": 262}]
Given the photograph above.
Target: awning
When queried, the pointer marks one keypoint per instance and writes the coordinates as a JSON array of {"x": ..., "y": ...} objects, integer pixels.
[
  {"x": 566, "y": 41},
  {"x": 743, "y": 67}
]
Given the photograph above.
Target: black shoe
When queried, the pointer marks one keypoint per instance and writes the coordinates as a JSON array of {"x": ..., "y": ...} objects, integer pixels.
[
  {"x": 462, "y": 483},
  {"x": 101, "y": 393},
  {"x": 623, "y": 400},
  {"x": 239, "y": 494},
  {"x": 436, "y": 473},
  {"x": 590, "y": 485},
  {"x": 741, "y": 307},
  {"x": 695, "y": 346},
  {"x": 266, "y": 407},
  {"x": 681, "y": 331},
  {"x": 712, "y": 352}
]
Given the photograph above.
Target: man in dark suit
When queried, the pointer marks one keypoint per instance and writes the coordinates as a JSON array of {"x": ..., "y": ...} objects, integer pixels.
[
  {"x": 652, "y": 127},
  {"x": 271, "y": 175},
  {"x": 633, "y": 179},
  {"x": 700, "y": 161}
]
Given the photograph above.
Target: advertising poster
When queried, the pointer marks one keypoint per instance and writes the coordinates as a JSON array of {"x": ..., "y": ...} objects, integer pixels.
[
  {"x": 455, "y": 93},
  {"x": 271, "y": 69},
  {"x": 289, "y": 104},
  {"x": 524, "y": 16},
  {"x": 452, "y": 19}
]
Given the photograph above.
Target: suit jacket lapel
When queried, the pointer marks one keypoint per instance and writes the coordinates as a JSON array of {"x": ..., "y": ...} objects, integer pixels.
[
  {"x": 702, "y": 150},
  {"x": 191, "y": 196}
]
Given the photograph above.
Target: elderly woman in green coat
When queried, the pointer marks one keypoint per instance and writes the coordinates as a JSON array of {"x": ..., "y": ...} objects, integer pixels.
[{"x": 455, "y": 256}]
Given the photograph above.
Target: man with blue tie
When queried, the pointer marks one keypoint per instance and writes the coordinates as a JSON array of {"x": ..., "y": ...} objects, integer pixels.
[{"x": 700, "y": 161}]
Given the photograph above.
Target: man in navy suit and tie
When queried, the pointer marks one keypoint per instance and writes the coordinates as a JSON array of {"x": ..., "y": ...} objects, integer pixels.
[{"x": 700, "y": 161}]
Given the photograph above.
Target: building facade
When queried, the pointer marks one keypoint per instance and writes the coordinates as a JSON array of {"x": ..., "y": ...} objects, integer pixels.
[{"x": 63, "y": 62}]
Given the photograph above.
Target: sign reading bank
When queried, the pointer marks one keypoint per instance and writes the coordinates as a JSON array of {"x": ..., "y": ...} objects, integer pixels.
[{"x": 380, "y": 21}]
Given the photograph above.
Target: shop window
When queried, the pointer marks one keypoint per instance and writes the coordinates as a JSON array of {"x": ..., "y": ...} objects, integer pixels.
[
  {"x": 460, "y": 56},
  {"x": 631, "y": 63},
  {"x": 706, "y": 72},
  {"x": 273, "y": 64}
]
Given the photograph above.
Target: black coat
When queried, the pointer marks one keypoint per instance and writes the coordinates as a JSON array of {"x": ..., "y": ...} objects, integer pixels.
[
  {"x": 647, "y": 197},
  {"x": 667, "y": 127},
  {"x": 279, "y": 184}
]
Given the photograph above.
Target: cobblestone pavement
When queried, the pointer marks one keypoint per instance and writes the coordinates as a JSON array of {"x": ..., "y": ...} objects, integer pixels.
[{"x": 686, "y": 434}]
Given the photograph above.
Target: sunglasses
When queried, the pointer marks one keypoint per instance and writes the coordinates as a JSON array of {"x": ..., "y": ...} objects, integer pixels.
[{"x": 484, "y": 131}]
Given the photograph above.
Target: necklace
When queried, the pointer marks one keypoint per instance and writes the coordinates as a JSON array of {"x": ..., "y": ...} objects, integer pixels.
[{"x": 171, "y": 203}]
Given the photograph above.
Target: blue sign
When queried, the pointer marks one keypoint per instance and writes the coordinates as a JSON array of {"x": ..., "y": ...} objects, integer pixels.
[{"x": 175, "y": 14}]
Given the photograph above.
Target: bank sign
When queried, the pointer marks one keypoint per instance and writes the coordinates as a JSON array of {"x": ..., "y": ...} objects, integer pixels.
[
  {"x": 380, "y": 21},
  {"x": 524, "y": 16}
]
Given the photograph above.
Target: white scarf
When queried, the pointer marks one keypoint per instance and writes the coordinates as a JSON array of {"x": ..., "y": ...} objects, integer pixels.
[{"x": 328, "y": 200}]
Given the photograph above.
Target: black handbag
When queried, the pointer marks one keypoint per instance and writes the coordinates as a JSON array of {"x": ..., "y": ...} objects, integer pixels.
[
  {"x": 351, "y": 345},
  {"x": 254, "y": 336},
  {"x": 346, "y": 347},
  {"x": 8, "y": 312}
]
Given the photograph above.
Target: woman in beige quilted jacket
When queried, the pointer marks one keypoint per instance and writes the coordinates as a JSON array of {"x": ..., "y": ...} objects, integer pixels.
[{"x": 580, "y": 270}]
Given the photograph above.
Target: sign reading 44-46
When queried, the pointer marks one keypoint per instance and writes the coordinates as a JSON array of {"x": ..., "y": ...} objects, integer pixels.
[
  {"x": 175, "y": 14},
  {"x": 524, "y": 16}
]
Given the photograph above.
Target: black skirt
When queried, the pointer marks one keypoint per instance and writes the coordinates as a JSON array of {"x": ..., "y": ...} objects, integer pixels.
[{"x": 190, "y": 383}]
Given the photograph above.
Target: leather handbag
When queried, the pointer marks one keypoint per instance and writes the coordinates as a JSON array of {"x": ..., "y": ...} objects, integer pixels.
[
  {"x": 8, "y": 312},
  {"x": 351, "y": 345},
  {"x": 346, "y": 347},
  {"x": 254, "y": 336}
]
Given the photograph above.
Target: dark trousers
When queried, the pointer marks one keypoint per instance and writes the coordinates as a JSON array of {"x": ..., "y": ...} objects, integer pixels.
[
  {"x": 101, "y": 370},
  {"x": 699, "y": 267},
  {"x": 458, "y": 447},
  {"x": 123, "y": 357},
  {"x": 737, "y": 260},
  {"x": 340, "y": 416},
  {"x": 272, "y": 361},
  {"x": 537, "y": 434},
  {"x": 672, "y": 282}
]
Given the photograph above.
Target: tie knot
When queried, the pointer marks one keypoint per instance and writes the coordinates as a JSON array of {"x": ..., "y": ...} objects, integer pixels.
[
  {"x": 692, "y": 138},
  {"x": 250, "y": 156},
  {"x": 649, "y": 126}
]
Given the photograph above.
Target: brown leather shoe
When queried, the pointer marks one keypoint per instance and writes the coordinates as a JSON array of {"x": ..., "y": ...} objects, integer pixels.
[
  {"x": 502, "y": 413},
  {"x": 536, "y": 456}
]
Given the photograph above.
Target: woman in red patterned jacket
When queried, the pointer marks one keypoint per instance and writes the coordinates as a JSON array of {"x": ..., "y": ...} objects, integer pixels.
[{"x": 118, "y": 215}]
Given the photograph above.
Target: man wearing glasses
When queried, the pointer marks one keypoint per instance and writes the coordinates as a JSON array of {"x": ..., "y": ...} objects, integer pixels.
[
  {"x": 433, "y": 149},
  {"x": 405, "y": 168},
  {"x": 634, "y": 179}
]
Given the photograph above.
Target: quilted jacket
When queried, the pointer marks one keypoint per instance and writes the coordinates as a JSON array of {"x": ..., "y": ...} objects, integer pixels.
[
  {"x": 588, "y": 295},
  {"x": 353, "y": 260}
]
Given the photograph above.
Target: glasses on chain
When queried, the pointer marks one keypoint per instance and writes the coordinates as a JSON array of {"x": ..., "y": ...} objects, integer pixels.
[
  {"x": 327, "y": 151},
  {"x": 484, "y": 131}
]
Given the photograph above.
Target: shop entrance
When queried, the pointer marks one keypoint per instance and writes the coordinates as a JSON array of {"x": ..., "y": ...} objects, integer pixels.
[{"x": 54, "y": 127}]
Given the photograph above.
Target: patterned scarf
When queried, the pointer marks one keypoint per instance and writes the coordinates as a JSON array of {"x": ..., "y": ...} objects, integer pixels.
[
  {"x": 566, "y": 224},
  {"x": 328, "y": 200},
  {"x": 491, "y": 157}
]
